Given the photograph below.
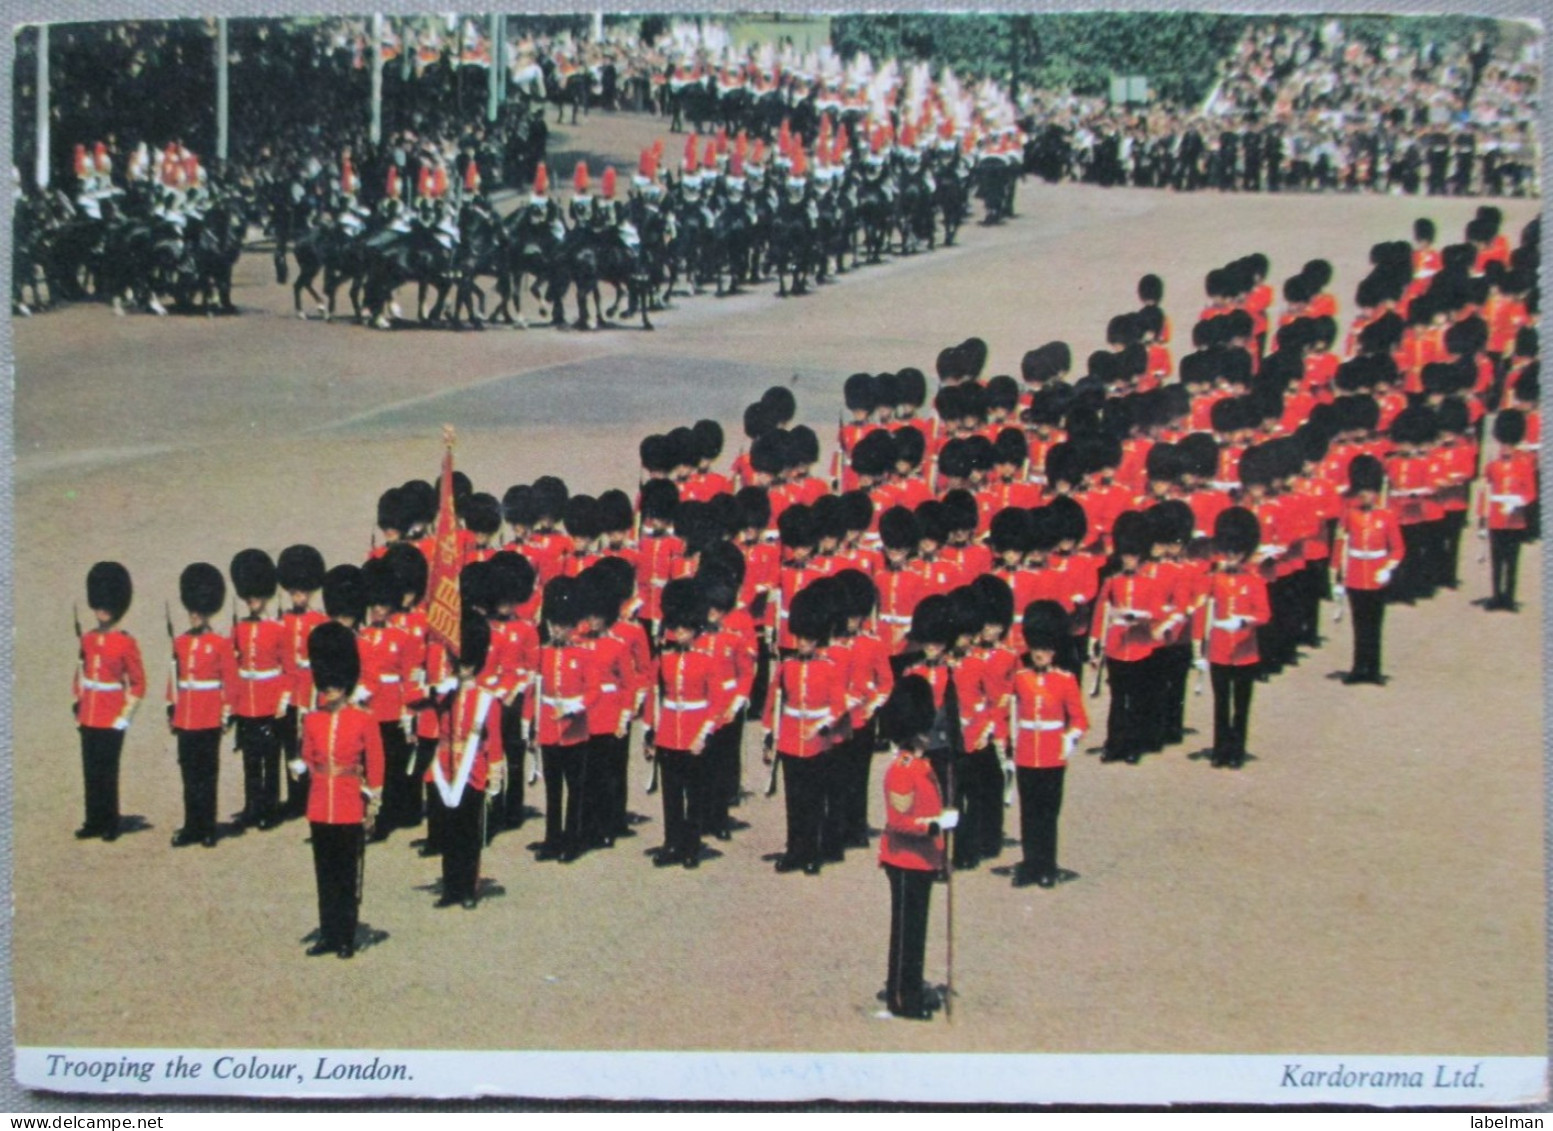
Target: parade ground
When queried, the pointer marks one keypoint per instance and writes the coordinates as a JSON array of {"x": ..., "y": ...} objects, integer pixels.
[{"x": 1372, "y": 882}]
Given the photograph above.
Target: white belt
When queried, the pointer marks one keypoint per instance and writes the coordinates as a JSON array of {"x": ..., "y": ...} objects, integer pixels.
[
  {"x": 684, "y": 704},
  {"x": 1366, "y": 555},
  {"x": 99, "y": 685},
  {"x": 305, "y": 665},
  {"x": 730, "y": 685},
  {"x": 1055, "y": 724},
  {"x": 388, "y": 679},
  {"x": 609, "y": 687},
  {"x": 1508, "y": 500},
  {"x": 894, "y": 619},
  {"x": 258, "y": 673},
  {"x": 199, "y": 685},
  {"x": 799, "y": 713},
  {"x": 1127, "y": 613},
  {"x": 565, "y": 704}
]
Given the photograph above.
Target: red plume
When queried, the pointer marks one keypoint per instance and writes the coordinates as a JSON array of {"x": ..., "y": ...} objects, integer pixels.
[
  {"x": 759, "y": 155},
  {"x": 721, "y": 140},
  {"x": 472, "y": 178},
  {"x": 393, "y": 182},
  {"x": 709, "y": 159},
  {"x": 580, "y": 179},
  {"x": 741, "y": 145},
  {"x": 608, "y": 187},
  {"x": 541, "y": 180},
  {"x": 800, "y": 162},
  {"x": 690, "y": 152},
  {"x": 736, "y": 166},
  {"x": 80, "y": 161}
]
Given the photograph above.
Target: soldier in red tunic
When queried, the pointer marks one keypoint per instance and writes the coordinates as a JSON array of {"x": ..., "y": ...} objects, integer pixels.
[
  {"x": 1510, "y": 488},
  {"x": 199, "y": 697},
  {"x": 1368, "y": 550},
  {"x": 911, "y": 851},
  {"x": 343, "y": 752},
  {"x": 685, "y": 693},
  {"x": 561, "y": 721},
  {"x": 1048, "y": 719},
  {"x": 300, "y": 572},
  {"x": 469, "y": 765},
  {"x": 1233, "y": 605},
  {"x": 110, "y": 682},
  {"x": 262, "y": 694}
]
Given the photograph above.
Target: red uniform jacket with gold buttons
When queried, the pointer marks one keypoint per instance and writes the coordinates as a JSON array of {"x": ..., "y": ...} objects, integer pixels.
[
  {"x": 562, "y": 706},
  {"x": 1129, "y": 639},
  {"x": 814, "y": 697},
  {"x": 1226, "y": 594},
  {"x": 392, "y": 669},
  {"x": 1048, "y": 705},
  {"x": 111, "y": 670},
  {"x": 343, "y": 750},
  {"x": 912, "y": 802},
  {"x": 1510, "y": 484},
  {"x": 900, "y": 592},
  {"x": 206, "y": 680},
  {"x": 1368, "y": 541},
  {"x": 472, "y": 715},
  {"x": 260, "y": 647},
  {"x": 293, "y": 657},
  {"x": 658, "y": 555},
  {"x": 686, "y": 694}
]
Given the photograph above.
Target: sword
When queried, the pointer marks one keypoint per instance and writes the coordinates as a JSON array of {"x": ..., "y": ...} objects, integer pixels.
[
  {"x": 776, "y": 725},
  {"x": 1207, "y": 628},
  {"x": 1013, "y": 737},
  {"x": 1105, "y": 632},
  {"x": 534, "y": 770}
]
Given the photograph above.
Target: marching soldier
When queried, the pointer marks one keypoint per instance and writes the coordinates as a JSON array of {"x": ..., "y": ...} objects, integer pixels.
[
  {"x": 262, "y": 694},
  {"x": 911, "y": 851},
  {"x": 300, "y": 572},
  {"x": 469, "y": 766},
  {"x": 110, "y": 682},
  {"x": 200, "y": 695},
  {"x": 343, "y": 752},
  {"x": 1048, "y": 719}
]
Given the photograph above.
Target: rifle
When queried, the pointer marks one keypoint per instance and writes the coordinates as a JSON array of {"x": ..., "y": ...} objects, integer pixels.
[
  {"x": 172, "y": 647},
  {"x": 836, "y": 457},
  {"x": 652, "y": 779},
  {"x": 535, "y": 772},
  {"x": 1342, "y": 572},
  {"x": 776, "y": 726},
  {"x": 1013, "y": 739},
  {"x": 1105, "y": 632}
]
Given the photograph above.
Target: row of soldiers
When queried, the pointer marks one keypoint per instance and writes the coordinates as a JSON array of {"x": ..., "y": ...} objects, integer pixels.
[{"x": 1146, "y": 529}]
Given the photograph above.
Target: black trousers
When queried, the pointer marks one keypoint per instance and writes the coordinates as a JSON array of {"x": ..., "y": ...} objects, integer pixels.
[
  {"x": 1450, "y": 565},
  {"x": 723, "y": 749},
  {"x": 1173, "y": 666},
  {"x": 1040, "y": 803},
  {"x": 858, "y": 769},
  {"x": 514, "y": 743},
  {"x": 101, "y": 748},
  {"x": 1504, "y": 559},
  {"x": 605, "y": 806},
  {"x": 1232, "y": 687},
  {"x": 259, "y": 740},
  {"x": 1413, "y": 580},
  {"x": 910, "y": 893},
  {"x": 337, "y": 861},
  {"x": 199, "y": 763},
  {"x": 980, "y": 835},
  {"x": 1369, "y": 617},
  {"x": 401, "y": 791},
  {"x": 289, "y": 730},
  {"x": 803, "y": 780},
  {"x": 683, "y": 781},
  {"x": 566, "y": 777},
  {"x": 463, "y": 836},
  {"x": 1131, "y": 694},
  {"x": 418, "y": 807}
]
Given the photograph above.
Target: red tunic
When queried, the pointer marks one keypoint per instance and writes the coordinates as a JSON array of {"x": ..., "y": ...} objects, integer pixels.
[
  {"x": 912, "y": 804},
  {"x": 813, "y": 693},
  {"x": 260, "y": 648},
  {"x": 472, "y": 716},
  {"x": 658, "y": 554},
  {"x": 563, "y": 719},
  {"x": 1225, "y": 595},
  {"x": 343, "y": 750},
  {"x": 206, "y": 682},
  {"x": 293, "y": 657},
  {"x": 610, "y": 690},
  {"x": 110, "y": 672},
  {"x": 1510, "y": 484},
  {"x": 1129, "y": 639},
  {"x": 1368, "y": 541},
  {"x": 732, "y": 647},
  {"x": 687, "y": 691},
  {"x": 392, "y": 666},
  {"x": 1048, "y": 711},
  {"x": 900, "y": 592}
]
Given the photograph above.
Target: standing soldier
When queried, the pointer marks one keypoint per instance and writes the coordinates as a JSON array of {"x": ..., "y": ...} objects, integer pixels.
[
  {"x": 1368, "y": 550},
  {"x": 561, "y": 720},
  {"x": 911, "y": 852},
  {"x": 682, "y": 721},
  {"x": 1510, "y": 487},
  {"x": 515, "y": 646},
  {"x": 392, "y": 667},
  {"x": 110, "y": 683},
  {"x": 262, "y": 696},
  {"x": 468, "y": 766},
  {"x": 343, "y": 751},
  {"x": 300, "y": 572},
  {"x": 200, "y": 695},
  {"x": 1233, "y": 605},
  {"x": 1048, "y": 719}
]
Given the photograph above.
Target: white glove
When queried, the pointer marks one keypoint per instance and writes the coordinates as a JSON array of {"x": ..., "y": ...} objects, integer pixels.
[
  {"x": 948, "y": 819},
  {"x": 1511, "y": 502},
  {"x": 297, "y": 768},
  {"x": 1338, "y": 592},
  {"x": 1201, "y": 663},
  {"x": 1070, "y": 742},
  {"x": 361, "y": 695},
  {"x": 1384, "y": 576},
  {"x": 121, "y": 723},
  {"x": 1482, "y": 533},
  {"x": 1230, "y": 624},
  {"x": 1079, "y": 598},
  {"x": 448, "y": 685},
  {"x": 497, "y": 778}
]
